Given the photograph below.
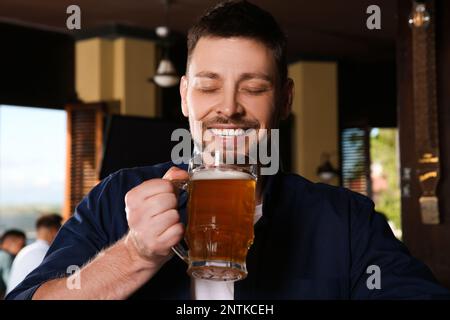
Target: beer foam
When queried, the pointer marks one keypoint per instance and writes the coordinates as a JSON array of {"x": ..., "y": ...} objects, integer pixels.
[{"x": 213, "y": 174}]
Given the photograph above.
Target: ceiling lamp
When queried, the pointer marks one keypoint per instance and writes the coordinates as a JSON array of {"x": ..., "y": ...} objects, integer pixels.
[
  {"x": 166, "y": 75},
  {"x": 326, "y": 172}
]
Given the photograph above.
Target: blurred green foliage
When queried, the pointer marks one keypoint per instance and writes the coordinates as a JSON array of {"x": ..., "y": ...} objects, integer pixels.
[{"x": 383, "y": 150}]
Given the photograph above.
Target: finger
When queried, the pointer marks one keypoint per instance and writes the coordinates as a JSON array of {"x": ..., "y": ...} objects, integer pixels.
[
  {"x": 175, "y": 173},
  {"x": 147, "y": 189},
  {"x": 172, "y": 235},
  {"x": 160, "y": 223},
  {"x": 155, "y": 205},
  {"x": 160, "y": 203}
]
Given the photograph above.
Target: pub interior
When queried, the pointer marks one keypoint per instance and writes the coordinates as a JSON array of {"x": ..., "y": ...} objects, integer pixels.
[{"x": 371, "y": 110}]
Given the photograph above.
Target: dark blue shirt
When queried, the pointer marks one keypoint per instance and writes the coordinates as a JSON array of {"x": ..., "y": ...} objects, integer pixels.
[{"x": 314, "y": 241}]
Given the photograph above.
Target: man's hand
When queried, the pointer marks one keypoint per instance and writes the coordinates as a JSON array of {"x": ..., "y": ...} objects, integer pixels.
[{"x": 153, "y": 219}]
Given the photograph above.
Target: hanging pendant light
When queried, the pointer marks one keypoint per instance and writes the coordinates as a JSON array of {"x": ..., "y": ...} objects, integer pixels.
[
  {"x": 326, "y": 172},
  {"x": 166, "y": 75}
]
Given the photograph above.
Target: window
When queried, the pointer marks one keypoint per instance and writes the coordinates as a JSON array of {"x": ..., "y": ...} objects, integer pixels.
[
  {"x": 370, "y": 165},
  {"x": 32, "y": 165},
  {"x": 385, "y": 175},
  {"x": 355, "y": 161}
]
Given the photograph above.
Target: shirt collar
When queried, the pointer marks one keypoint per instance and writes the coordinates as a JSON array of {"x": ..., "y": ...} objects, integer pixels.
[{"x": 40, "y": 241}]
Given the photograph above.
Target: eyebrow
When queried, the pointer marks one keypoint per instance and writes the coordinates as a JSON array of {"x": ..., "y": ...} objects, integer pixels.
[
  {"x": 256, "y": 75},
  {"x": 243, "y": 77},
  {"x": 207, "y": 74}
]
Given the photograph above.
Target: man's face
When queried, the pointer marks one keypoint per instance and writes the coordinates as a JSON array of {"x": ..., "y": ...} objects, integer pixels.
[
  {"x": 13, "y": 244},
  {"x": 231, "y": 85}
]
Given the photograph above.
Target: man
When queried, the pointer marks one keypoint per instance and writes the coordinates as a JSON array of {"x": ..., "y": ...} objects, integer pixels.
[
  {"x": 11, "y": 242},
  {"x": 32, "y": 255},
  {"x": 313, "y": 241}
]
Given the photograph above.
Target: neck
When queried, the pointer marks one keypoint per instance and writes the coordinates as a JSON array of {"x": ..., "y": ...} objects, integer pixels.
[{"x": 43, "y": 236}]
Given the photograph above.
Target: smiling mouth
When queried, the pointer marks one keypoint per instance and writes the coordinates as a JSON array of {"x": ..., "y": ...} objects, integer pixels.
[{"x": 228, "y": 132}]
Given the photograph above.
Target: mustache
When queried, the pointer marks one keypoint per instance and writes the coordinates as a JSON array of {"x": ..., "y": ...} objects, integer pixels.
[{"x": 240, "y": 122}]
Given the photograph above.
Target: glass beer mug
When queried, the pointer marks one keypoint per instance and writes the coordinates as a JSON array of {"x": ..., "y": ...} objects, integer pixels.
[{"x": 221, "y": 208}]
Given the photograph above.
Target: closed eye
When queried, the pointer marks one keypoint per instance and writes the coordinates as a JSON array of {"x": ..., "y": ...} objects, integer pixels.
[
  {"x": 208, "y": 90},
  {"x": 254, "y": 91}
]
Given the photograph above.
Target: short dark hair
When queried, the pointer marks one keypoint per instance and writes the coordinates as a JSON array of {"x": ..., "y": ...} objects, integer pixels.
[
  {"x": 242, "y": 19},
  {"x": 13, "y": 233},
  {"x": 49, "y": 221}
]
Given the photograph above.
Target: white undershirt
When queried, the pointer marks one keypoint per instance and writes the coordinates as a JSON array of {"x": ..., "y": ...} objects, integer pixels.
[{"x": 219, "y": 290}]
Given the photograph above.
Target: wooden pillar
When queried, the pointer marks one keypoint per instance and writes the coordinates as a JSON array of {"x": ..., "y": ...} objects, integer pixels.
[
  {"x": 430, "y": 243},
  {"x": 315, "y": 118},
  {"x": 118, "y": 70}
]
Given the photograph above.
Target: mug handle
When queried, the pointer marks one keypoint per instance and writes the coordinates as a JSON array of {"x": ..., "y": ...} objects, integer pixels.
[
  {"x": 181, "y": 252},
  {"x": 178, "y": 248}
]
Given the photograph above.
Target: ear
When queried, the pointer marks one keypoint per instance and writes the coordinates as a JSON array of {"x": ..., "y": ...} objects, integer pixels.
[
  {"x": 183, "y": 95},
  {"x": 288, "y": 96}
]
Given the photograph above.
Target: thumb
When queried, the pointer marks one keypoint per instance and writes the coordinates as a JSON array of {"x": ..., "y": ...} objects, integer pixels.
[{"x": 175, "y": 173}]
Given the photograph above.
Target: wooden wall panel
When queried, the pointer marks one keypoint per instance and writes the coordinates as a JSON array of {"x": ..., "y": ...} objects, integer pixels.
[
  {"x": 430, "y": 243},
  {"x": 84, "y": 150}
]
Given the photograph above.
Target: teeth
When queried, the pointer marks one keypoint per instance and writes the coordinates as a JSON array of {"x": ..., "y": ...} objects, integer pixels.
[{"x": 228, "y": 132}]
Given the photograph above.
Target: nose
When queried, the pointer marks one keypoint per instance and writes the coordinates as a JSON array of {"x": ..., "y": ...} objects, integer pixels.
[{"x": 230, "y": 107}]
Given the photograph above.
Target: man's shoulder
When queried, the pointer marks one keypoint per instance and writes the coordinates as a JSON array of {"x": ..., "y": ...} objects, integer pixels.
[
  {"x": 110, "y": 191},
  {"x": 301, "y": 183},
  {"x": 302, "y": 188},
  {"x": 128, "y": 178},
  {"x": 145, "y": 172}
]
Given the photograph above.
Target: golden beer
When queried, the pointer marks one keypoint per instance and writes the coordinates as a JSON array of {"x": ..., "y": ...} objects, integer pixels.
[{"x": 219, "y": 233}]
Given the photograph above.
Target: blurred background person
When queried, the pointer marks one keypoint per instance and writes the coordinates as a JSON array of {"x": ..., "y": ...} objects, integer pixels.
[
  {"x": 47, "y": 226},
  {"x": 11, "y": 242}
]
